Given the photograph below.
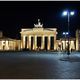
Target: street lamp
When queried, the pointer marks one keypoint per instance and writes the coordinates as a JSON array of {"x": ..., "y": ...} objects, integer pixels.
[
  {"x": 68, "y": 14},
  {"x": 65, "y": 34}
]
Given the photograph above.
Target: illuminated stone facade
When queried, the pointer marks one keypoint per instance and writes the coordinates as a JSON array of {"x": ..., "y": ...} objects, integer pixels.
[
  {"x": 7, "y": 44},
  {"x": 77, "y": 39},
  {"x": 38, "y": 38},
  {"x": 62, "y": 44}
]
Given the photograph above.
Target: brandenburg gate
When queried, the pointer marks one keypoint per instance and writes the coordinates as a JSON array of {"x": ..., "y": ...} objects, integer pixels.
[{"x": 38, "y": 38}]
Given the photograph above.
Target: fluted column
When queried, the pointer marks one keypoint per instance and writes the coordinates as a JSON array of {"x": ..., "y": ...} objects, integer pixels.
[
  {"x": 35, "y": 42},
  {"x": 42, "y": 42},
  {"x": 48, "y": 46},
  {"x": 23, "y": 42},
  {"x": 55, "y": 47},
  {"x": 7, "y": 46},
  {"x": 29, "y": 42}
]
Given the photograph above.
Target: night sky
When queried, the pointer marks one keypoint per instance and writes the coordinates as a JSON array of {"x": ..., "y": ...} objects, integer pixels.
[{"x": 16, "y": 15}]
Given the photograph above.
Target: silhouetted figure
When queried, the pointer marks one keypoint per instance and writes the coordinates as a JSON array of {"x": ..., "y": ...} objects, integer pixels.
[
  {"x": 71, "y": 50},
  {"x": 68, "y": 52}
]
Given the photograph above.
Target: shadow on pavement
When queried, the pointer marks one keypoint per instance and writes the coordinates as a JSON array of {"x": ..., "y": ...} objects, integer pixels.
[{"x": 70, "y": 59}]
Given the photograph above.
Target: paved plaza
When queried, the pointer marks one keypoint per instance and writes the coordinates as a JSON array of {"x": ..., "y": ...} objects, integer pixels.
[{"x": 39, "y": 65}]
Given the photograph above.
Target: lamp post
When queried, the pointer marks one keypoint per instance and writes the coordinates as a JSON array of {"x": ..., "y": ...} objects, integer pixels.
[
  {"x": 68, "y": 14},
  {"x": 65, "y": 34}
]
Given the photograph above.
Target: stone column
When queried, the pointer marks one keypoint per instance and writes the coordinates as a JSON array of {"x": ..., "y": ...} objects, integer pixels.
[
  {"x": 29, "y": 42},
  {"x": 21, "y": 42},
  {"x": 42, "y": 42},
  {"x": 24, "y": 41},
  {"x": 15, "y": 45},
  {"x": 7, "y": 46},
  {"x": 55, "y": 47},
  {"x": 35, "y": 42},
  {"x": 48, "y": 46}
]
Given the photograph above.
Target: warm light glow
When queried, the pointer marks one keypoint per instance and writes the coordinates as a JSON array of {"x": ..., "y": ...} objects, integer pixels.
[
  {"x": 7, "y": 46},
  {"x": 59, "y": 43},
  {"x": 72, "y": 45},
  {"x": 3, "y": 43},
  {"x": 24, "y": 41}
]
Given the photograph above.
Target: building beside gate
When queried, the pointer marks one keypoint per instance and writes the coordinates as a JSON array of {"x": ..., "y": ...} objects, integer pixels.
[
  {"x": 38, "y": 38},
  {"x": 62, "y": 44},
  {"x": 77, "y": 39},
  {"x": 7, "y": 44}
]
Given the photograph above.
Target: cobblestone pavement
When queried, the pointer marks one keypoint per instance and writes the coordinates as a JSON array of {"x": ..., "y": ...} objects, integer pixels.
[{"x": 39, "y": 65}]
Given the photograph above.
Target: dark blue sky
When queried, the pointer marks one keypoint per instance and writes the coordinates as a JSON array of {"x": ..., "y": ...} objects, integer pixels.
[{"x": 16, "y": 15}]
